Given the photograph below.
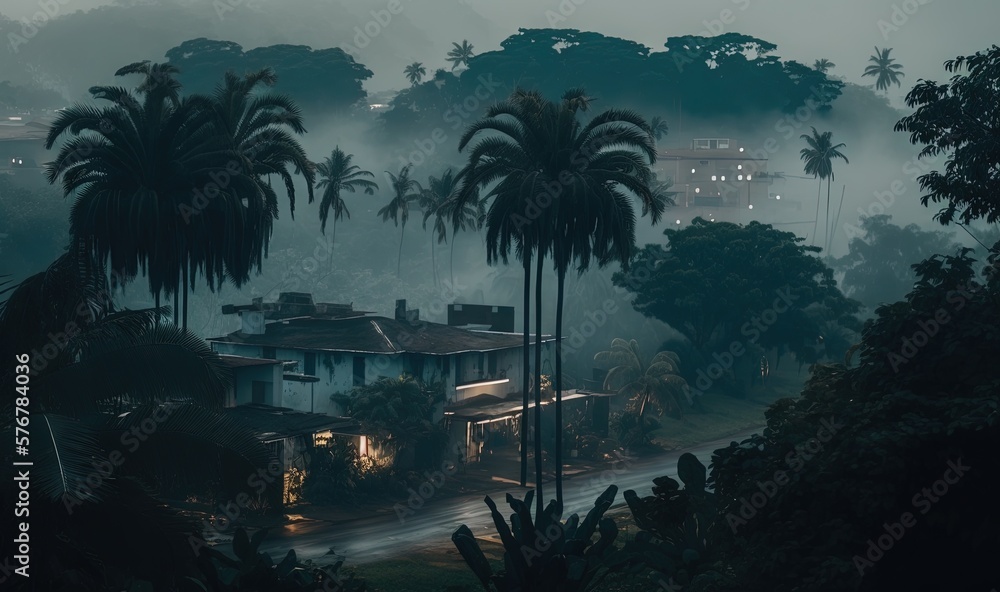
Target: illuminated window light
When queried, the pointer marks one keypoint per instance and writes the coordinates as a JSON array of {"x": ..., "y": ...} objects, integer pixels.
[
  {"x": 777, "y": 197},
  {"x": 723, "y": 177},
  {"x": 739, "y": 167},
  {"x": 748, "y": 177},
  {"x": 692, "y": 171},
  {"x": 751, "y": 206},
  {"x": 713, "y": 178},
  {"x": 739, "y": 178},
  {"x": 697, "y": 189},
  {"x": 483, "y": 383},
  {"x": 678, "y": 221},
  {"x": 741, "y": 150}
]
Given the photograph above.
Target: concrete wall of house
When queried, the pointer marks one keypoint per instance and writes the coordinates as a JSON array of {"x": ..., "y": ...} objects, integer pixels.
[
  {"x": 336, "y": 373},
  {"x": 247, "y": 375}
]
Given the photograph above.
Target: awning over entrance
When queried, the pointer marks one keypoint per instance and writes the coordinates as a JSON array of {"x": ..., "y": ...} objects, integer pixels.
[{"x": 483, "y": 408}]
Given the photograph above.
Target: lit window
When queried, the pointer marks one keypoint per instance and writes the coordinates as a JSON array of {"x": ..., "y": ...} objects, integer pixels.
[
  {"x": 748, "y": 177},
  {"x": 741, "y": 150},
  {"x": 739, "y": 178},
  {"x": 697, "y": 190},
  {"x": 751, "y": 206},
  {"x": 692, "y": 171},
  {"x": 723, "y": 177},
  {"x": 678, "y": 221},
  {"x": 739, "y": 167},
  {"x": 713, "y": 178}
]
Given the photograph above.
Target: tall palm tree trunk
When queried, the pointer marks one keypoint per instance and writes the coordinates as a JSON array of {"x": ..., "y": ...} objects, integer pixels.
[
  {"x": 177, "y": 294},
  {"x": 399, "y": 257},
  {"x": 434, "y": 269},
  {"x": 333, "y": 242},
  {"x": 451, "y": 271},
  {"x": 539, "y": 502},
  {"x": 826, "y": 241},
  {"x": 561, "y": 290},
  {"x": 184, "y": 283},
  {"x": 819, "y": 188},
  {"x": 525, "y": 374}
]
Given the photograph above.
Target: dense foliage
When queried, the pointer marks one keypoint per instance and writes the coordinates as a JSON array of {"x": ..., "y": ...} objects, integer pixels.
[
  {"x": 316, "y": 78},
  {"x": 840, "y": 467},
  {"x": 878, "y": 268},
  {"x": 730, "y": 288}
]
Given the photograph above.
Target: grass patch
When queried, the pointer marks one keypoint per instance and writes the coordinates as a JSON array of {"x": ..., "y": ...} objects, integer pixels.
[
  {"x": 724, "y": 415},
  {"x": 439, "y": 569}
]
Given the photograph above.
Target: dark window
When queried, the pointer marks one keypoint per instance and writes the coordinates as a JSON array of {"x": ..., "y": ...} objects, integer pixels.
[
  {"x": 445, "y": 365},
  {"x": 417, "y": 367},
  {"x": 480, "y": 364},
  {"x": 492, "y": 370},
  {"x": 268, "y": 352},
  {"x": 359, "y": 371},
  {"x": 258, "y": 391},
  {"x": 310, "y": 365}
]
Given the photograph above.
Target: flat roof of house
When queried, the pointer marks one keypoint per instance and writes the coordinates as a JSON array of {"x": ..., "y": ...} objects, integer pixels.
[
  {"x": 275, "y": 423},
  {"x": 376, "y": 335},
  {"x": 242, "y": 361},
  {"x": 12, "y": 131}
]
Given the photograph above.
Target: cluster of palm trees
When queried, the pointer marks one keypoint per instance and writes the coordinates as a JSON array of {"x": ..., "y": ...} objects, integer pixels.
[
  {"x": 560, "y": 189},
  {"x": 174, "y": 187},
  {"x": 883, "y": 68},
  {"x": 818, "y": 156},
  {"x": 458, "y": 55}
]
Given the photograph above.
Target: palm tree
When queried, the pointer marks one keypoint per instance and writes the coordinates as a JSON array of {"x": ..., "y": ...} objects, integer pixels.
[
  {"x": 190, "y": 169},
  {"x": 460, "y": 55},
  {"x": 823, "y": 65},
  {"x": 261, "y": 129},
  {"x": 818, "y": 157},
  {"x": 337, "y": 173},
  {"x": 434, "y": 202},
  {"x": 150, "y": 149},
  {"x": 415, "y": 72},
  {"x": 884, "y": 68},
  {"x": 404, "y": 190},
  {"x": 113, "y": 374},
  {"x": 654, "y": 383},
  {"x": 658, "y": 126},
  {"x": 533, "y": 146}
]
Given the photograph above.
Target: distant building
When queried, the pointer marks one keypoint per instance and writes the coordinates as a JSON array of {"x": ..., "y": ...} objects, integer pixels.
[
  {"x": 715, "y": 172},
  {"x": 22, "y": 147}
]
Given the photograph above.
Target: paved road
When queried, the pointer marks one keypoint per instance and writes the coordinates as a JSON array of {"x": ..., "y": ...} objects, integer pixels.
[{"x": 386, "y": 536}]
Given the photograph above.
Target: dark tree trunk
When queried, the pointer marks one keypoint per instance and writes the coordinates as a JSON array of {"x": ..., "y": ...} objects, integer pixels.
[
  {"x": 525, "y": 374},
  {"x": 560, "y": 288},
  {"x": 184, "y": 283},
  {"x": 819, "y": 188},
  {"x": 539, "y": 500},
  {"x": 399, "y": 258},
  {"x": 177, "y": 293}
]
